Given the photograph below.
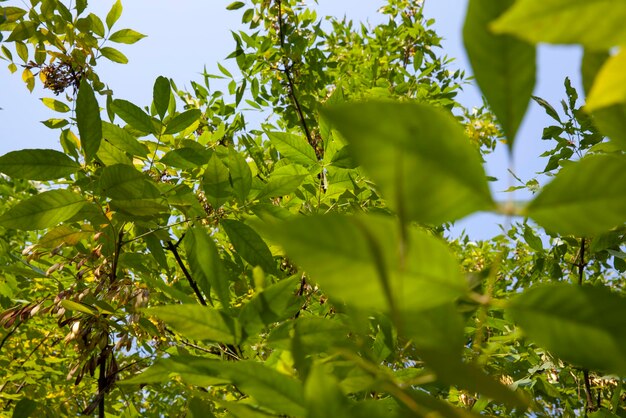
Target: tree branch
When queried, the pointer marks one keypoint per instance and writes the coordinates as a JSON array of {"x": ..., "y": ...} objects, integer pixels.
[
  {"x": 172, "y": 247},
  {"x": 290, "y": 83}
]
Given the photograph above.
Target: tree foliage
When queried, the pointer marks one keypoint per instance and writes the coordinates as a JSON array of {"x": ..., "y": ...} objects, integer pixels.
[{"x": 281, "y": 247}]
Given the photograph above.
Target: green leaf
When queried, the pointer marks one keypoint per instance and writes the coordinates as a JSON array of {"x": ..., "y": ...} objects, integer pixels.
[
  {"x": 360, "y": 261},
  {"x": 133, "y": 115},
  {"x": 591, "y": 64},
  {"x": 24, "y": 408},
  {"x": 44, "y": 210},
  {"x": 114, "y": 14},
  {"x": 343, "y": 158},
  {"x": 582, "y": 325},
  {"x": 566, "y": 22},
  {"x": 585, "y": 198},
  {"x": 65, "y": 235},
  {"x": 37, "y": 164},
  {"x": 88, "y": 120},
  {"x": 216, "y": 182},
  {"x": 249, "y": 245},
  {"x": 124, "y": 182},
  {"x": 139, "y": 207},
  {"x": 274, "y": 304},
  {"x": 418, "y": 156},
  {"x": 205, "y": 264},
  {"x": 283, "y": 181},
  {"x": 199, "y": 322},
  {"x": 78, "y": 307},
  {"x": 55, "y": 105},
  {"x": 198, "y": 371},
  {"x": 22, "y": 31},
  {"x": 114, "y": 55},
  {"x": 240, "y": 175},
  {"x": 187, "y": 157},
  {"x": 293, "y": 147},
  {"x": 504, "y": 66},
  {"x": 235, "y": 5},
  {"x": 612, "y": 122},
  {"x": 123, "y": 140},
  {"x": 126, "y": 36},
  {"x": 182, "y": 121},
  {"x": 268, "y": 387},
  {"x": 323, "y": 395},
  {"x": 609, "y": 87},
  {"x": 161, "y": 95}
]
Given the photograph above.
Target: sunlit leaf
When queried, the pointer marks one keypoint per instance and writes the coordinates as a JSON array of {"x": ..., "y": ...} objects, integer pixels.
[
  {"x": 580, "y": 324},
  {"x": 419, "y": 157},
  {"x": 504, "y": 66},
  {"x": 44, "y": 210},
  {"x": 609, "y": 87},
  {"x": 240, "y": 175},
  {"x": 55, "y": 105},
  {"x": 199, "y": 322},
  {"x": 37, "y": 164},
  {"x": 114, "y": 14},
  {"x": 126, "y": 36},
  {"x": 566, "y": 22},
  {"x": 114, "y": 55},
  {"x": 293, "y": 147},
  {"x": 123, "y": 140}
]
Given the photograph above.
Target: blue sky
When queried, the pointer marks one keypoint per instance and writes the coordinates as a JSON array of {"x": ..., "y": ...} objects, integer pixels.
[{"x": 184, "y": 37}]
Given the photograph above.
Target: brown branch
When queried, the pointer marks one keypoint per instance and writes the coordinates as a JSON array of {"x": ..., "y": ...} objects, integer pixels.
[
  {"x": 581, "y": 277},
  {"x": 291, "y": 84},
  {"x": 172, "y": 247}
]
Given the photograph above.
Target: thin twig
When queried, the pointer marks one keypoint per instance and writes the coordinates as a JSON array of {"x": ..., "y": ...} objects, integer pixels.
[
  {"x": 581, "y": 277},
  {"x": 287, "y": 71},
  {"x": 171, "y": 247}
]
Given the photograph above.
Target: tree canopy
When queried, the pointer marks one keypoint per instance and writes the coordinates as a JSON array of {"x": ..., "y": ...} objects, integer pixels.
[{"x": 281, "y": 246}]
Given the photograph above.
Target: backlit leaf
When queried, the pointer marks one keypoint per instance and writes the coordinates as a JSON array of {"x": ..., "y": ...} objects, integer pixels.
[
  {"x": 88, "y": 120},
  {"x": 359, "y": 261},
  {"x": 609, "y": 87},
  {"x": 248, "y": 244},
  {"x": 199, "y": 322},
  {"x": 586, "y": 198},
  {"x": 418, "y": 156},
  {"x": 126, "y": 36},
  {"x": 114, "y": 55},
  {"x": 206, "y": 265},
  {"x": 55, "y": 105},
  {"x": 133, "y": 115},
  {"x": 114, "y": 14},
  {"x": 216, "y": 182},
  {"x": 240, "y": 175},
  {"x": 182, "y": 121},
  {"x": 582, "y": 325},
  {"x": 566, "y": 22},
  {"x": 293, "y": 147},
  {"x": 37, "y": 164},
  {"x": 44, "y": 210},
  {"x": 504, "y": 66}
]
